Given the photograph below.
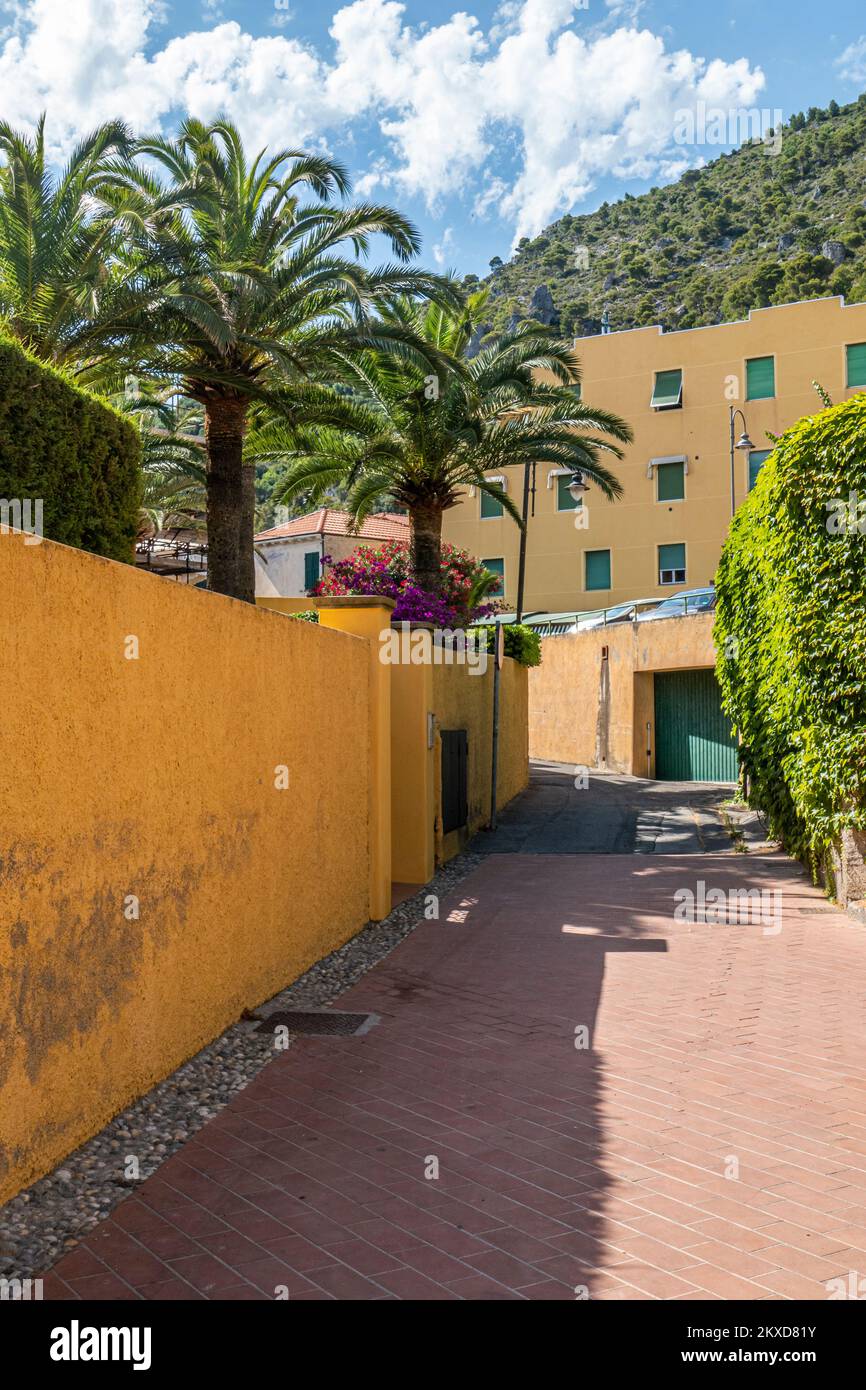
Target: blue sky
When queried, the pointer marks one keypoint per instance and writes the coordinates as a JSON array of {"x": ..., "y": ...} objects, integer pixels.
[{"x": 483, "y": 123}]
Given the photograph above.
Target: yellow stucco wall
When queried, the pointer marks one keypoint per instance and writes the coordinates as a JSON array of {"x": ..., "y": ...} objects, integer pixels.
[
  {"x": 413, "y": 785},
  {"x": 287, "y": 605},
  {"x": 457, "y": 700},
  {"x": 155, "y": 777},
  {"x": 368, "y": 619},
  {"x": 463, "y": 701},
  {"x": 593, "y": 712},
  {"x": 808, "y": 342}
]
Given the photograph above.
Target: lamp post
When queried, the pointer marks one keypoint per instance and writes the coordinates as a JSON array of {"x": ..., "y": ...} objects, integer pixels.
[
  {"x": 577, "y": 487},
  {"x": 528, "y": 468},
  {"x": 744, "y": 445}
]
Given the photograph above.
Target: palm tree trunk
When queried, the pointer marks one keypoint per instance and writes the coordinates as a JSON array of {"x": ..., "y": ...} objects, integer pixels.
[
  {"x": 425, "y": 550},
  {"x": 224, "y": 429},
  {"x": 246, "y": 555}
]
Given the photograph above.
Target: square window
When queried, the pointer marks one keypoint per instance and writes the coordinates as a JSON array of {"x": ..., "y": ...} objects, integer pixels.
[
  {"x": 760, "y": 378},
  {"x": 564, "y": 500},
  {"x": 597, "y": 563},
  {"x": 490, "y": 506},
  {"x": 670, "y": 482},
  {"x": 672, "y": 564},
  {"x": 756, "y": 458},
  {"x": 668, "y": 390},
  {"x": 496, "y": 567},
  {"x": 856, "y": 364}
]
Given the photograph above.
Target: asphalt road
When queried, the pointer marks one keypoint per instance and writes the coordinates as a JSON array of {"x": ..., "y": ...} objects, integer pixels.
[{"x": 612, "y": 815}]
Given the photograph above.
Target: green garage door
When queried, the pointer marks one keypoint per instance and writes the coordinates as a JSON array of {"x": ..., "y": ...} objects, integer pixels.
[{"x": 694, "y": 742}]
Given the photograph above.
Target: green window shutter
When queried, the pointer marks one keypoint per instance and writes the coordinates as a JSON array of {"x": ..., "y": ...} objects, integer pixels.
[
  {"x": 490, "y": 506},
  {"x": 760, "y": 378},
  {"x": 311, "y": 569},
  {"x": 564, "y": 500},
  {"x": 856, "y": 354},
  {"x": 756, "y": 458},
  {"x": 597, "y": 569},
  {"x": 496, "y": 567},
  {"x": 670, "y": 482},
  {"x": 672, "y": 564},
  {"x": 668, "y": 390}
]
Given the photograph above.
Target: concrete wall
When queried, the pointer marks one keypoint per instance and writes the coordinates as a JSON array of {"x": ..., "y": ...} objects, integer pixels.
[
  {"x": 457, "y": 700},
  {"x": 153, "y": 779},
  {"x": 808, "y": 342},
  {"x": 462, "y": 701},
  {"x": 592, "y": 709}
]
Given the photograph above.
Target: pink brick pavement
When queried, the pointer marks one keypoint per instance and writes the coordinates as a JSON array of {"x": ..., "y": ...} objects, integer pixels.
[{"x": 709, "y": 1144}]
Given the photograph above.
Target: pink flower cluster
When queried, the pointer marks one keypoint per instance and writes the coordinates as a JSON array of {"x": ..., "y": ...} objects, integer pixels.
[{"x": 384, "y": 571}]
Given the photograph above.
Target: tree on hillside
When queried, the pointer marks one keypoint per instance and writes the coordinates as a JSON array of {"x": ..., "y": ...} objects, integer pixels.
[{"x": 422, "y": 440}]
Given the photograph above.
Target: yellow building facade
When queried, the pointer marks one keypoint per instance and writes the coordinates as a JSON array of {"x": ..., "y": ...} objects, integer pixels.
[{"x": 675, "y": 390}]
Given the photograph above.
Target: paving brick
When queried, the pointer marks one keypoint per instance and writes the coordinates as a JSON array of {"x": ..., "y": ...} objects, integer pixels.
[{"x": 559, "y": 1168}]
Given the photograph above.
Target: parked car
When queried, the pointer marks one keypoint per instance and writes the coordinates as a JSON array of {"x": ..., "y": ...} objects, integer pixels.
[
  {"x": 552, "y": 624},
  {"x": 620, "y": 613},
  {"x": 681, "y": 605}
]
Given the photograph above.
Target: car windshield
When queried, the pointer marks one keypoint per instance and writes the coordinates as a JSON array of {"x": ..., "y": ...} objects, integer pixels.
[{"x": 686, "y": 603}]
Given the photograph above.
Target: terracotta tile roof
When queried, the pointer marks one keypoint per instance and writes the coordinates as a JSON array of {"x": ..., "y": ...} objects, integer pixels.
[{"x": 381, "y": 526}]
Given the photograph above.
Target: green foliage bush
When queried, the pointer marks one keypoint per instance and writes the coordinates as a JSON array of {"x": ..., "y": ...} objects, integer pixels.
[
  {"x": 72, "y": 450},
  {"x": 521, "y": 642},
  {"x": 791, "y": 630},
  {"x": 307, "y": 615}
]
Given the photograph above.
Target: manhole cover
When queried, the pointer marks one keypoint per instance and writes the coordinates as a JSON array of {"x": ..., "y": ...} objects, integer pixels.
[{"x": 323, "y": 1022}]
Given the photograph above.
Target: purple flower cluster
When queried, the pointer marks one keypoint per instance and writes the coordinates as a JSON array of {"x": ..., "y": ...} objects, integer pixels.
[
  {"x": 383, "y": 572},
  {"x": 416, "y": 605}
]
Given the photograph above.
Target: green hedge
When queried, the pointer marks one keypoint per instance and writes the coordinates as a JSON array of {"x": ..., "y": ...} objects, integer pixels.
[
  {"x": 521, "y": 642},
  {"x": 791, "y": 630},
  {"x": 67, "y": 447}
]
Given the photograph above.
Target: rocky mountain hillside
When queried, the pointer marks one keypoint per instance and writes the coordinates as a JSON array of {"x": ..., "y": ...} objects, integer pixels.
[{"x": 766, "y": 224}]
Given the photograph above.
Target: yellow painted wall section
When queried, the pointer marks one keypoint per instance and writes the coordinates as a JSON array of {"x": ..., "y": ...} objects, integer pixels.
[
  {"x": 464, "y": 701},
  {"x": 148, "y": 786},
  {"x": 413, "y": 784},
  {"x": 591, "y": 711},
  {"x": 369, "y": 620},
  {"x": 287, "y": 605}
]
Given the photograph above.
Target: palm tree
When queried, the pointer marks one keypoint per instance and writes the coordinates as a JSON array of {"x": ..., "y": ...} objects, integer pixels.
[
  {"x": 172, "y": 457},
  {"x": 422, "y": 439},
  {"x": 58, "y": 240},
  {"x": 243, "y": 293}
]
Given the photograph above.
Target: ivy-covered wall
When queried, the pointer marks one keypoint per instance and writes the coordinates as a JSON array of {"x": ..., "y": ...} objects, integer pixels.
[
  {"x": 791, "y": 631},
  {"x": 72, "y": 452}
]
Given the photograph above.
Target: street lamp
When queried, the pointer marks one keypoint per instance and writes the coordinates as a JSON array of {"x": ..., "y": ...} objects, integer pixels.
[
  {"x": 743, "y": 445},
  {"x": 576, "y": 487}
]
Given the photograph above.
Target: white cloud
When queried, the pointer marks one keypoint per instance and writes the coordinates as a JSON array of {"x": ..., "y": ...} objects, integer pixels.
[
  {"x": 852, "y": 63},
  {"x": 541, "y": 93},
  {"x": 442, "y": 248}
]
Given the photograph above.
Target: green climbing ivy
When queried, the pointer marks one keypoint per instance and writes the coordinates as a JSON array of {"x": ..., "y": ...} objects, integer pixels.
[{"x": 791, "y": 631}]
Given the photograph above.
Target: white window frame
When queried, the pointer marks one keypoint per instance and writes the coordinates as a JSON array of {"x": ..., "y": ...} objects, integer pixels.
[{"x": 663, "y": 583}]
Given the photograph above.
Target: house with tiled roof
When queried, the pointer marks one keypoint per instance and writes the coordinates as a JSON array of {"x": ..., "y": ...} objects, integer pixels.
[{"x": 290, "y": 558}]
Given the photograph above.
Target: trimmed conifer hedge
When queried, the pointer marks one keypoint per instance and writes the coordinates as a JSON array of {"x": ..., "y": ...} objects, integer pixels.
[{"x": 65, "y": 446}]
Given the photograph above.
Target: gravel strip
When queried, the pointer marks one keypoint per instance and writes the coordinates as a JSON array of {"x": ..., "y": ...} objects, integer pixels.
[{"x": 43, "y": 1221}]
